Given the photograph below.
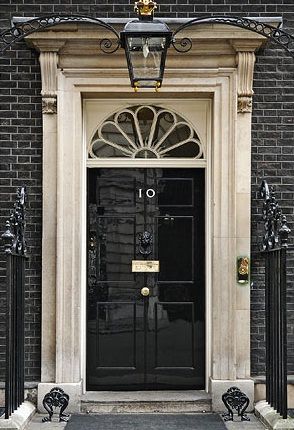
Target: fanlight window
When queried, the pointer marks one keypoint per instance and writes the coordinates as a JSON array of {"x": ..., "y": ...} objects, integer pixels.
[{"x": 145, "y": 132}]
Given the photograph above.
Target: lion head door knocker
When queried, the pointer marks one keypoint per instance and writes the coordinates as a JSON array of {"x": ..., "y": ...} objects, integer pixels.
[{"x": 145, "y": 243}]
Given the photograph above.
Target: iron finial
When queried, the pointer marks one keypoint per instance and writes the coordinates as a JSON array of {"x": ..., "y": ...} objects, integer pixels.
[
  {"x": 8, "y": 238},
  {"x": 276, "y": 231},
  {"x": 14, "y": 235},
  {"x": 284, "y": 232}
]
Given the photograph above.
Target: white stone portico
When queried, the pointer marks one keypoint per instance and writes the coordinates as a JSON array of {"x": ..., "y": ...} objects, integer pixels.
[{"x": 219, "y": 72}]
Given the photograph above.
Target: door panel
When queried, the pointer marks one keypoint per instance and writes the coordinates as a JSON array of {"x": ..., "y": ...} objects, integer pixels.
[
  {"x": 175, "y": 239},
  {"x": 112, "y": 348},
  {"x": 175, "y": 192},
  {"x": 157, "y": 341},
  {"x": 176, "y": 334},
  {"x": 116, "y": 248}
]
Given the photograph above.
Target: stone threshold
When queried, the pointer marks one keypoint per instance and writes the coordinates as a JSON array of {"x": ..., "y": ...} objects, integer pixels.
[
  {"x": 145, "y": 396},
  {"x": 182, "y": 401}
]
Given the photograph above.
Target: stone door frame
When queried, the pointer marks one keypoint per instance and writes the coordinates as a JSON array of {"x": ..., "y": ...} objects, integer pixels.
[{"x": 225, "y": 76}]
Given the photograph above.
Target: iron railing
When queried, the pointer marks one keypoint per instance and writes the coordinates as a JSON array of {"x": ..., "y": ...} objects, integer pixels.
[
  {"x": 274, "y": 249},
  {"x": 15, "y": 250},
  {"x": 276, "y": 329}
]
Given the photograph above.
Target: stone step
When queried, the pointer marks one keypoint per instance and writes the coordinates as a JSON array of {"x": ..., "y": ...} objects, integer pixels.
[{"x": 128, "y": 402}]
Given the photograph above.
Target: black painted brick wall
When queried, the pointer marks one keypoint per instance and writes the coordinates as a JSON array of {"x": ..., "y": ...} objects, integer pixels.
[{"x": 21, "y": 143}]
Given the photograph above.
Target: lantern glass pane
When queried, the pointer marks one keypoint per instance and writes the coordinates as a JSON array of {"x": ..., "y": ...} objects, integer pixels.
[{"x": 145, "y": 57}]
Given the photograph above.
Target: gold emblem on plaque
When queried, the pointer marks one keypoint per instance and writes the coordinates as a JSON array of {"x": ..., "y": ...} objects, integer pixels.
[
  {"x": 243, "y": 270},
  {"x": 244, "y": 266},
  {"x": 145, "y": 266}
]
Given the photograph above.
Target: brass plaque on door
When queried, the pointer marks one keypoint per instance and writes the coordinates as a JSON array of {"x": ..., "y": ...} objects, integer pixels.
[{"x": 145, "y": 266}]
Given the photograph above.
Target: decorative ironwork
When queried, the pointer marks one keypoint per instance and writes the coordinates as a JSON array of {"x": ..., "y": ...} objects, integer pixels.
[
  {"x": 15, "y": 250},
  {"x": 182, "y": 45},
  {"x": 14, "y": 235},
  {"x": 275, "y": 225},
  {"x": 145, "y": 132},
  {"x": 19, "y": 31},
  {"x": 56, "y": 398},
  {"x": 108, "y": 46},
  {"x": 145, "y": 240},
  {"x": 274, "y": 247},
  {"x": 235, "y": 399},
  {"x": 8, "y": 238},
  {"x": 275, "y": 281},
  {"x": 278, "y": 36}
]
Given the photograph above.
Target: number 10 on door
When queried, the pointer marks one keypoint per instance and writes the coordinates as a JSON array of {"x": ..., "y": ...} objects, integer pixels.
[{"x": 150, "y": 192}]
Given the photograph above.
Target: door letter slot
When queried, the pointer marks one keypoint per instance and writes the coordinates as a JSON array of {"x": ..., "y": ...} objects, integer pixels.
[{"x": 145, "y": 266}]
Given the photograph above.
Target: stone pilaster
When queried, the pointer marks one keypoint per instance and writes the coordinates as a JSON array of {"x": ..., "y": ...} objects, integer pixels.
[{"x": 49, "y": 73}]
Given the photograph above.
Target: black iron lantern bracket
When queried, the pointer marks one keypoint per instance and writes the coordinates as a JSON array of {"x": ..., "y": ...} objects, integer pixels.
[
  {"x": 145, "y": 35},
  {"x": 20, "y": 30},
  {"x": 276, "y": 35}
]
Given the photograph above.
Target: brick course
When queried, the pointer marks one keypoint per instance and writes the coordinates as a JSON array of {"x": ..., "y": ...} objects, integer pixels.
[{"x": 21, "y": 144}]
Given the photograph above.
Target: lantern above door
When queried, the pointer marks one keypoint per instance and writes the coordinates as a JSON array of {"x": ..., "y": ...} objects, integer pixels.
[{"x": 145, "y": 42}]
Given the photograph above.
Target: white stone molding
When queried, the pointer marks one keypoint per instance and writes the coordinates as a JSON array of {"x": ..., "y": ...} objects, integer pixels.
[
  {"x": 245, "y": 61},
  {"x": 49, "y": 104},
  {"x": 208, "y": 72},
  {"x": 225, "y": 360},
  {"x": 48, "y": 62}
]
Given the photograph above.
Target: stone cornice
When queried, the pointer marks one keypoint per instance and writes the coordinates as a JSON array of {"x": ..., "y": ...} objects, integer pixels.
[
  {"x": 214, "y": 45},
  {"x": 77, "y": 45},
  {"x": 275, "y": 21}
]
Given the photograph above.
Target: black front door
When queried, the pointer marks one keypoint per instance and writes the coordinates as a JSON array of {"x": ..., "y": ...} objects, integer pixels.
[{"x": 153, "y": 341}]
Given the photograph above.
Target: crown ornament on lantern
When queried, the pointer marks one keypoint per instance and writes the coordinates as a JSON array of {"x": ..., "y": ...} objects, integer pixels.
[{"x": 145, "y": 7}]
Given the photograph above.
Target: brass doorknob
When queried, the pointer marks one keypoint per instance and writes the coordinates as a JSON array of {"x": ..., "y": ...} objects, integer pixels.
[{"x": 145, "y": 291}]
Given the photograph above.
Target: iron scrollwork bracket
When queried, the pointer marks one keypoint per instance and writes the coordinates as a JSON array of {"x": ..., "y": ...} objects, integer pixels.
[
  {"x": 56, "y": 398},
  {"x": 19, "y": 31},
  {"x": 145, "y": 243},
  {"x": 235, "y": 399},
  {"x": 277, "y": 35}
]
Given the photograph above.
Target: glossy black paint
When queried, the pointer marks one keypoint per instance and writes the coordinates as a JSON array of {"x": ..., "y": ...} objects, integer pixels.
[{"x": 155, "y": 342}]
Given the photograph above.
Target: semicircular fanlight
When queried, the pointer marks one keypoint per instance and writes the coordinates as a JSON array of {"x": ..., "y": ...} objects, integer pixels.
[{"x": 145, "y": 132}]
